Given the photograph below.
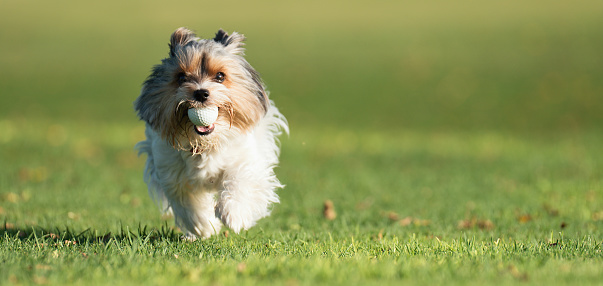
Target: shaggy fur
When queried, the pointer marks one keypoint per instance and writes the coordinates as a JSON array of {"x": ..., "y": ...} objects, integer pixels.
[{"x": 223, "y": 173}]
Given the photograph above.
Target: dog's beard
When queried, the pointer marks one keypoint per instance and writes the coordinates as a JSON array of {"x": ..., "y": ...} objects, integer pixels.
[
  {"x": 180, "y": 132},
  {"x": 234, "y": 117}
]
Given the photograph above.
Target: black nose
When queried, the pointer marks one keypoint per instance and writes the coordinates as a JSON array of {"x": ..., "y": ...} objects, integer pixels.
[{"x": 201, "y": 95}]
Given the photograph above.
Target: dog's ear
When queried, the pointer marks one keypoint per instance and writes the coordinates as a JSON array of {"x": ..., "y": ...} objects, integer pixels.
[
  {"x": 180, "y": 38},
  {"x": 233, "y": 43}
]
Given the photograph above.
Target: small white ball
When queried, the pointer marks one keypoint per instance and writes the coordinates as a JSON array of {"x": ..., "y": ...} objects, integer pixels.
[{"x": 205, "y": 116}]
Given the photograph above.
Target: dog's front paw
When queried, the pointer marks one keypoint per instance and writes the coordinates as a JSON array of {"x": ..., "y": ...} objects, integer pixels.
[
  {"x": 237, "y": 216},
  {"x": 188, "y": 237}
]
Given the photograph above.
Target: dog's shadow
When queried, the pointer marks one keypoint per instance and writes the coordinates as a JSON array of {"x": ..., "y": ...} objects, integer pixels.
[{"x": 89, "y": 236}]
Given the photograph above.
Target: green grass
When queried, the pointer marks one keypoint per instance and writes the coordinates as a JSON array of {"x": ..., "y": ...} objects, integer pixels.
[{"x": 459, "y": 143}]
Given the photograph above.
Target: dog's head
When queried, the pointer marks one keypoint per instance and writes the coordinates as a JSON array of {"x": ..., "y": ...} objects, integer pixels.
[{"x": 202, "y": 73}]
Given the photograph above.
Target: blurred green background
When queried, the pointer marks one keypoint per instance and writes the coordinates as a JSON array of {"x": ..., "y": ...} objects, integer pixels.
[{"x": 522, "y": 67}]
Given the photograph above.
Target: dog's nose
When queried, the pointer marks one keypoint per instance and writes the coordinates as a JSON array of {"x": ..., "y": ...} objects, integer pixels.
[{"x": 201, "y": 95}]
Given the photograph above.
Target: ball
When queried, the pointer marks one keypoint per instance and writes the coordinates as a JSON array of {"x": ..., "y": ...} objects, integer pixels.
[{"x": 205, "y": 116}]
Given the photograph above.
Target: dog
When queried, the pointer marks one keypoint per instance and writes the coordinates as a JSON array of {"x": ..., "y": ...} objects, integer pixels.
[{"x": 223, "y": 173}]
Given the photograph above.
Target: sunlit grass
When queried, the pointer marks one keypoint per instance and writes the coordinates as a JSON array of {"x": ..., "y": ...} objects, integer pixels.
[{"x": 430, "y": 207}]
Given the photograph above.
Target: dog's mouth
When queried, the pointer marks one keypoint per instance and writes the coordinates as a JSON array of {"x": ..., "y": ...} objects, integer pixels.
[{"x": 205, "y": 130}]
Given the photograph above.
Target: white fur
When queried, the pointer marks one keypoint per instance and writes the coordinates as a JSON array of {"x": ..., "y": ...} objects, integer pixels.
[{"x": 234, "y": 184}]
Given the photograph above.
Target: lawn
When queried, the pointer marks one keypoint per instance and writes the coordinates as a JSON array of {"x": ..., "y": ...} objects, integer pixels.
[{"x": 459, "y": 144}]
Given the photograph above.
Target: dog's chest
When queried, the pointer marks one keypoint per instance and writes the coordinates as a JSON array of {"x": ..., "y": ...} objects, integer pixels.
[{"x": 206, "y": 171}]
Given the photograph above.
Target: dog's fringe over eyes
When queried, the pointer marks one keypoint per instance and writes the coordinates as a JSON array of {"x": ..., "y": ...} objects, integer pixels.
[{"x": 222, "y": 174}]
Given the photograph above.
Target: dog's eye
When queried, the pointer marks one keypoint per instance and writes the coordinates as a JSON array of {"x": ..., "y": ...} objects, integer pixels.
[
  {"x": 220, "y": 77},
  {"x": 182, "y": 78}
]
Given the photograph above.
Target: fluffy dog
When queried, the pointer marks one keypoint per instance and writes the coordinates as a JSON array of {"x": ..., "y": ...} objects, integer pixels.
[{"x": 221, "y": 173}]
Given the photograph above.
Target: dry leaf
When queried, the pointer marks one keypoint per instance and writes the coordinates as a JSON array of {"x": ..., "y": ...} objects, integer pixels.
[
  {"x": 406, "y": 221},
  {"x": 329, "y": 210},
  {"x": 524, "y": 218},
  {"x": 485, "y": 224},
  {"x": 463, "y": 224},
  {"x": 392, "y": 216},
  {"x": 52, "y": 235},
  {"x": 473, "y": 222}
]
